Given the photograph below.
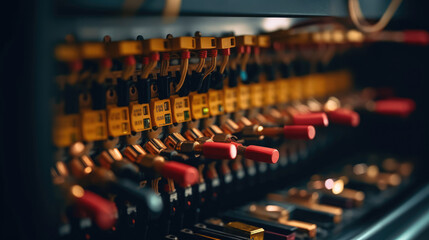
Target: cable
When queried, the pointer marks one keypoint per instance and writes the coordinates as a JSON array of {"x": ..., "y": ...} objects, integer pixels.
[
  {"x": 363, "y": 25},
  {"x": 184, "y": 64},
  {"x": 213, "y": 55}
]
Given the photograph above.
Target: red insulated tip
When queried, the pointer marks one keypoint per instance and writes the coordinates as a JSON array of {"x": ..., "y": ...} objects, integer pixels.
[
  {"x": 182, "y": 174},
  {"x": 129, "y": 60},
  {"x": 315, "y": 119},
  {"x": 396, "y": 107},
  {"x": 307, "y": 132},
  {"x": 102, "y": 211},
  {"x": 261, "y": 154},
  {"x": 344, "y": 117},
  {"x": 217, "y": 150}
]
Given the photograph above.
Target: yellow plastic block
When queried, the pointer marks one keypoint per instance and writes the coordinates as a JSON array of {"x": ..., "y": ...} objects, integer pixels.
[
  {"x": 67, "y": 52},
  {"x": 216, "y": 102},
  {"x": 160, "y": 112},
  {"x": 93, "y": 50},
  {"x": 181, "y": 109},
  {"x": 118, "y": 123},
  {"x": 270, "y": 93},
  {"x": 230, "y": 99},
  {"x": 243, "y": 99},
  {"x": 225, "y": 42},
  {"x": 257, "y": 95},
  {"x": 125, "y": 48},
  {"x": 182, "y": 43},
  {"x": 199, "y": 105},
  {"x": 205, "y": 42},
  {"x": 155, "y": 45},
  {"x": 66, "y": 130},
  {"x": 263, "y": 41},
  {"x": 246, "y": 40},
  {"x": 94, "y": 125},
  {"x": 140, "y": 117}
]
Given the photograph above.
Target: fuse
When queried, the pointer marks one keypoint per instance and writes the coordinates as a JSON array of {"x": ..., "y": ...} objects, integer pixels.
[
  {"x": 183, "y": 174},
  {"x": 256, "y": 153},
  {"x": 281, "y": 215},
  {"x": 208, "y": 149},
  {"x": 306, "y": 200},
  {"x": 335, "y": 113},
  {"x": 100, "y": 210},
  {"x": 83, "y": 168}
]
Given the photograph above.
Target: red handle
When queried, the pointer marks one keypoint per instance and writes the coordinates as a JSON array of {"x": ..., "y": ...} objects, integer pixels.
[
  {"x": 315, "y": 119},
  {"x": 101, "y": 211},
  {"x": 396, "y": 107},
  {"x": 217, "y": 150},
  {"x": 261, "y": 154},
  {"x": 307, "y": 132},
  {"x": 344, "y": 117},
  {"x": 182, "y": 174}
]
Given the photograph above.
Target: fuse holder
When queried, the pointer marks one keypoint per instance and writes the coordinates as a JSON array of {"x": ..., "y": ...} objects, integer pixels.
[
  {"x": 307, "y": 132},
  {"x": 205, "y": 42},
  {"x": 246, "y": 40},
  {"x": 401, "y": 107},
  {"x": 315, "y": 119},
  {"x": 225, "y": 42},
  {"x": 102, "y": 211},
  {"x": 217, "y": 150},
  {"x": 261, "y": 154},
  {"x": 344, "y": 117},
  {"x": 155, "y": 45},
  {"x": 182, "y": 43},
  {"x": 183, "y": 174}
]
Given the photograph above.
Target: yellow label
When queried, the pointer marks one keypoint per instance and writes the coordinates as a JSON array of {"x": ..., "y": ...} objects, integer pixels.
[
  {"x": 94, "y": 125},
  {"x": 216, "y": 102},
  {"x": 230, "y": 99},
  {"x": 199, "y": 105},
  {"x": 257, "y": 95},
  {"x": 160, "y": 112},
  {"x": 282, "y": 90},
  {"x": 118, "y": 123},
  {"x": 243, "y": 97},
  {"x": 181, "y": 109},
  {"x": 309, "y": 86},
  {"x": 270, "y": 93},
  {"x": 295, "y": 85},
  {"x": 66, "y": 130},
  {"x": 140, "y": 117}
]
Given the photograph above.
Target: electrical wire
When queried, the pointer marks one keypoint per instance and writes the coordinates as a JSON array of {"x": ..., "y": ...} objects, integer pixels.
[
  {"x": 211, "y": 68},
  {"x": 184, "y": 64},
  {"x": 362, "y": 24}
]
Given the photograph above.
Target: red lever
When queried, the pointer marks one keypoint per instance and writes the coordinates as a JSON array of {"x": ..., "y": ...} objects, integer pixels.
[
  {"x": 129, "y": 60},
  {"x": 261, "y": 154},
  {"x": 397, "y": 107},
  {"x": 315, "y": 119},
  {"x": 344, "y": 117},
  {"x": 307, "y": 132},
  {"x": 217, "y": 150},
  {"x": 183, "y": 174},
  {"x": 102, "y": 211}
]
